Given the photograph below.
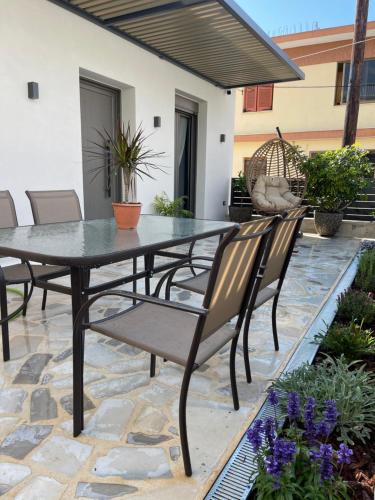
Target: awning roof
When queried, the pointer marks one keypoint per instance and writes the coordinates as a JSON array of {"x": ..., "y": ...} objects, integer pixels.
[{"x": 213, "y": 39}]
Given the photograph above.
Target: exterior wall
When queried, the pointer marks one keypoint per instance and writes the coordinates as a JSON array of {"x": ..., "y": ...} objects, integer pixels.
[
  {"x": 244, "y": 150},
  {"x": 41, "y": 139},
  {"x": 307, "y": 115}
]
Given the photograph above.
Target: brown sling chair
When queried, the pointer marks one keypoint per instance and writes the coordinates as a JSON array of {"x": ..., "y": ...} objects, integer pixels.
[
  {"x": 18, "y": 274},
  {"x": 281, "y": 243},
  {"x": 151, "y": 324}
]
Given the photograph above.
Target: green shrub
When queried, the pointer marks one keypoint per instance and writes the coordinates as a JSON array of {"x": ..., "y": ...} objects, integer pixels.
[
  {"x": 334, "y": 178},
  {"x": 365, "y": 279},
  {"x": 171, "y": 208},
  {"x": 350, "y": 340},
  {"x": 240, "y": 182},
  {"x": 352, "y": 389},
  {"x": 355, "y": 305}
]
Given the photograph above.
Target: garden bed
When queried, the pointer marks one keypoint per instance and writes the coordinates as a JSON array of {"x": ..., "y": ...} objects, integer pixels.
[{"x": 357, "y": 479}]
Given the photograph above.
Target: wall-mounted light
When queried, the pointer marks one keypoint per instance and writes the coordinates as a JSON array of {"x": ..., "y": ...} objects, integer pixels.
[
  {"x": 222, "y": 137},
  {"x": 229, "y": 92},
  {"x": 33, "y": 90},
  {"x": 157, "y": 121}
]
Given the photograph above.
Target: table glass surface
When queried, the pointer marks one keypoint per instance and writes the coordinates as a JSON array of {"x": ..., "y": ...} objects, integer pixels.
[{"x": 100, "y": 241}]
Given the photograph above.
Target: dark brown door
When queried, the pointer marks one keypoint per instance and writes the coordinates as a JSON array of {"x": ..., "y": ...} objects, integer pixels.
[{"x": 100, "y": 111}]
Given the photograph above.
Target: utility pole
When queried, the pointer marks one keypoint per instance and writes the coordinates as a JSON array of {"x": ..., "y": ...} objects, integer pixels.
[{"x": 354, "y": 90}]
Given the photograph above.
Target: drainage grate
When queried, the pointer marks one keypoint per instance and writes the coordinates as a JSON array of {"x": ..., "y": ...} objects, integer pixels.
[{"x": 237, "y": 477}]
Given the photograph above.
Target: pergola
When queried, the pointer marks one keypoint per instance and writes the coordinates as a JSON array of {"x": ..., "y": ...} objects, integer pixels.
[{"x": 214, "y": 39}]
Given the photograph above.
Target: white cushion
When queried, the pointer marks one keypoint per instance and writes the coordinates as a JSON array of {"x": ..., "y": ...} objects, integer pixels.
[{"x": 273, "y": 193}]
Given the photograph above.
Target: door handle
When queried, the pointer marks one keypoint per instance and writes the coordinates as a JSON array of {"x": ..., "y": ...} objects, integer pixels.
[{"x": 108, "y": 187}]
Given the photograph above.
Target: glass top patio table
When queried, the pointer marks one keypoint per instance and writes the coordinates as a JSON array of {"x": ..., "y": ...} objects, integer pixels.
[{"x": 99, "y": 242}]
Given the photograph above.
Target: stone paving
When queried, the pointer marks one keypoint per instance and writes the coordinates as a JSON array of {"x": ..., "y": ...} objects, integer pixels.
[{"x": 130, "y": 446}]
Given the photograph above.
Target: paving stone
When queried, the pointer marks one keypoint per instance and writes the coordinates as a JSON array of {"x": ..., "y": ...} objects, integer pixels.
[
  {"x": 7, "y": 424},
  {"x": 130, "y": 366},
  {"x": 113, "y": 342},
  {"x": 67, "y": 403},
  {"x": 62, "y": 455},
  {"x": 148, "y": 439},
  {"x": 67, "y": 382},
  {"x": 150, "y": 420},
  {"x": 42, "y": 488},
  {"x": 173, "y": 376},
  {"x": 129, "y": 350},
  {"x": 12, "y": 474},
  {"x": 102, "y": 491},
  {"x": 11, "y": 400},
  {"x": 100, "y": 355},
  {"x": 159, "y": 395},
  {"x": 173, "y": 430},
  {"x": 116, "y": 386},
  {"x": 42, "y": 406},
  {"x": 63, "y": 355},
  {"x": 133, "y": 463},
  {"x": 63, "y": 369},
  {"x": 46, "y": 378},
  {"x": 31, "y": 370},
  {"x": 174, "y": 453},
  {"x": 24, "y": 439},
  {"x": 24, "y": 344},
  {"x": 109, "y": 421}
]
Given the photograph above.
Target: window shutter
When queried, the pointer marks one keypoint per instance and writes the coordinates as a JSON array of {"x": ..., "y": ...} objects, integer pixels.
[
  {"x": 250, "y": 98},
  {"x": 265, "y": 97}
]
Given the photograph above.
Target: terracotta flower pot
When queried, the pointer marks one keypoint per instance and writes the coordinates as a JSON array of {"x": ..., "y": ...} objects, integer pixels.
[{"x": 127, "y": 214}]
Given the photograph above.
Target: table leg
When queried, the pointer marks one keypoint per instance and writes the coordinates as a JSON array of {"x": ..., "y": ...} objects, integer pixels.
[
  {"x": 149, "y": 268},
  {"x": 78, "y": 278}
]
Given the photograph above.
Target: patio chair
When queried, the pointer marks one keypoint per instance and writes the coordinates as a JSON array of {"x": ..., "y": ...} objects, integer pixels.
[
  {"x": 281, "y": 243},
  {"x": 50, "y": 207},
  {"x": 181, "y": 333},
  {"x": 18, "y": 274}
]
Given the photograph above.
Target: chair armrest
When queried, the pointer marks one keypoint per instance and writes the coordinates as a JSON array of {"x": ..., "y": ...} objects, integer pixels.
[{"x": 170, "y": 274}]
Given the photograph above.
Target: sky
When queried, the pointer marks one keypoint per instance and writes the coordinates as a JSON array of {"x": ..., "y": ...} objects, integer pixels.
[{"x": 278, "y": 17}]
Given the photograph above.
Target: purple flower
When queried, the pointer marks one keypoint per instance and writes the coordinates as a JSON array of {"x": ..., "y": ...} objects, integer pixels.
[
  {"x": 270, "y": 431},
  {"x": 283, "y": 453},
  {"x": 309, "y": 414},
  {"x": 293, "y": 406},
  {"x": 331, "y": 413},
  {"x": 254, "y": 434},
  {"x": 326, "y": 467},
  {"x": 314, "y": 455},
  {"x": 323, "y": 429},
  {"x": 343, "y": 454},
  {"x": 273, "y": 397}
]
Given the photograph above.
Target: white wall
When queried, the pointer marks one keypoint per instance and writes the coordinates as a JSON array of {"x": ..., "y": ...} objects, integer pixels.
[{"x": 41, "y": 139}]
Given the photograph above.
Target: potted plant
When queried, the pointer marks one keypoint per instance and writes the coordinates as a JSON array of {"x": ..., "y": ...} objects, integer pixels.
[
  {"x": 129, "y": 158},
  {"x": 334, "y": 180},
  {"x": 171, "y": 208},
  {"x": 240, "y": 212}
]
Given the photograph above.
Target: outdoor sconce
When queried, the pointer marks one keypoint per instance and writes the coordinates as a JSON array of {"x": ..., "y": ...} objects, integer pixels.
[
  {"x": 222, "y": 137},
  {"x": 33, "y": 90},
  {"x": 157, "y": 121}
]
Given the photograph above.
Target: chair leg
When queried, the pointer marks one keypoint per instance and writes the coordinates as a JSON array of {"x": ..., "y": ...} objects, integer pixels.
[
  {"x": 152, "y": 365},
  {"x": 78, "y": 359},
  {"x": 182, "y": 422},
  {"x": 274, "y": 325},
  {"x": 25, "y": 292},
  {"x": 246, "y": 347},
  {"x": 4, "y": 326},
  {"x": 44, "y": 301},
  {"x": 232, "y": 366}
]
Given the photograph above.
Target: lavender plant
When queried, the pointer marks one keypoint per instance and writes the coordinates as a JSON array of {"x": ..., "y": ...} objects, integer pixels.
[{"x": 297, "y": 462}]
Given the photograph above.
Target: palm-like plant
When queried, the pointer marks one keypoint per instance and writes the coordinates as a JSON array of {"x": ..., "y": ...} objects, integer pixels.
[{"x": 129, "y": 157}]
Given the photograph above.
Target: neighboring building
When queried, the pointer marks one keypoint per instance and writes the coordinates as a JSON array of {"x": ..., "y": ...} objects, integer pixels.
[
  {"x": 167, "y": 65},
  {"x": 310, "y": 113}
]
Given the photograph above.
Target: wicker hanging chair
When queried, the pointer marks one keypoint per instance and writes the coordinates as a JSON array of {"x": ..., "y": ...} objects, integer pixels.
[{"x": 276, "y": 163}]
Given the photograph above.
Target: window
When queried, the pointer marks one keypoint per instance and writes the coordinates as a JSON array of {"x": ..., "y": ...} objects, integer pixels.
[
  {"x": 258, "y": 98},
  {"x": 367, "y": 82}
]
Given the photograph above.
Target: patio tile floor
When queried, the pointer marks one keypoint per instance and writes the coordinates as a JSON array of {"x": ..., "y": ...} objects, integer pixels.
[{"x": 130, "y": 446}]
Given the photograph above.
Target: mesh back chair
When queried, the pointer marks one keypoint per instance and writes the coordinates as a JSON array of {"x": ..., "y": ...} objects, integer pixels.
[
  {"x": 151, "y": 324},
  {"x": 281, "y": 245},
  {"x": 49, "y": 207},
  {"x": 17, "y": 274}
]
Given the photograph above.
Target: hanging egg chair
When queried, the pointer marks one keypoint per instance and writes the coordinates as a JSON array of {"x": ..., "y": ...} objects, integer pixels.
[{"x": 274, "y": 179}]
